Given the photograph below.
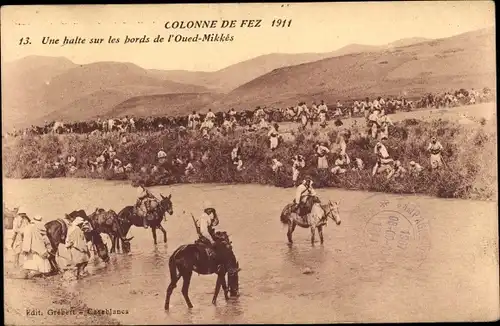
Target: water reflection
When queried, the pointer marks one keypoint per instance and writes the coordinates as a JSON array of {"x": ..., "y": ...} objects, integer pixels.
[
  {"x": 228, "y": 311},
  {"x": 273, "y": 287},
  {"x": 303, "y": 256}
]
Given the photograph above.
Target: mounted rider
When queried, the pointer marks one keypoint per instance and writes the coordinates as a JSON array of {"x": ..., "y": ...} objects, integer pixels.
[
  {"x": 205, "y": 223},
  {"x": 206, "y": 233},
  {"x": 146, "y": 202},
  {"x": 302, "y": 193}
]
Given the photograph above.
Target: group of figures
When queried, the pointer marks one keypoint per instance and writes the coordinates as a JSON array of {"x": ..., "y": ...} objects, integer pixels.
[
  {"x": 212, "y": 253},
  {"x": 227, "y": 120}
]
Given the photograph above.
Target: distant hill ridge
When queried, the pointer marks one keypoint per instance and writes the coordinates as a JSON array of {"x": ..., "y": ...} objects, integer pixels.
[{"x": 49, "y": 88}]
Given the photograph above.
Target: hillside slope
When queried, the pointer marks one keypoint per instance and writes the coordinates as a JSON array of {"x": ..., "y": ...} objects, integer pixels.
[
  {"x": 466, "y": 60},
  {"x": 24, "y": 82},
  {"x": 72, "y": 92},
  {"x": 227, "y": 79}
]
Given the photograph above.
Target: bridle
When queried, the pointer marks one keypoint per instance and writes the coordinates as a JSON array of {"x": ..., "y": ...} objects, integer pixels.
[{"x": 330, "y": 212}]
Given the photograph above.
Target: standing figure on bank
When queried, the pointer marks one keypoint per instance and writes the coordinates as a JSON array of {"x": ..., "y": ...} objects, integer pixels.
[
  {"x": 435, "y": 148},
  {"x": 321, "y": 152},
  {"x": 298, "y": 163}
]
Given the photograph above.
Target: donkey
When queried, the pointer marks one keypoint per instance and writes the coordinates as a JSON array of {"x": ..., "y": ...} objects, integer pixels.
[{"x": 315, "y": 219}]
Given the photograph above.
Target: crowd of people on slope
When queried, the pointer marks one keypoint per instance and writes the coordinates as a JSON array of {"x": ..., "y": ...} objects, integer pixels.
[
  {"x": 378, "y": 129},
  {"x": 224, "y": 122}
]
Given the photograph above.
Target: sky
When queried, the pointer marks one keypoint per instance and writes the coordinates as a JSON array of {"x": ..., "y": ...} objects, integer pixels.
[{"x": 314, "y": 27}]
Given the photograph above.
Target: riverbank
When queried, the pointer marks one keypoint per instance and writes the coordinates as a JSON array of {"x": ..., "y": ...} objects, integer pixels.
[{"x": 469, "y": 154}]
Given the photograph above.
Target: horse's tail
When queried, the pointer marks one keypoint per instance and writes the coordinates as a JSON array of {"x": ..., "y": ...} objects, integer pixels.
[
  {"x": 172, "y": 265},
  {"x": 285, "y": 214}
]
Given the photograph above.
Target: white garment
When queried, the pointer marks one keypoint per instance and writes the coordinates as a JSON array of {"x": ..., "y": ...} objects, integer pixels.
[
  {"x": 303, "y": 192},
  {"x": 273, "y": 142},
  {"x": 204, "y": 222},
  {"x": 276, "y": 165},
  {"x": 239, "y": 165},
  {"x": 189, "y": 168},
  {"x": 234, "y": 153},
  {"x": 210, "y": 115},
  {"x": 382, "y": 151}
]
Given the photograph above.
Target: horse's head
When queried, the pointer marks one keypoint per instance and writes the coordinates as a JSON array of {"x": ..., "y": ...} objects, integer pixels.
[
  {"x": 332, "y": 212},
  {"x": 222, "y": 241},
  {"x": 222, "y": 238},
  {"x": 102, "y": 248},
  {"x": 166, "y": 204},
  {"x": 95, "y": 237},
  {"x": 126, "y": 245},
  {"x": 125, "y": 241},
  {"x": 233, "y": 279}
]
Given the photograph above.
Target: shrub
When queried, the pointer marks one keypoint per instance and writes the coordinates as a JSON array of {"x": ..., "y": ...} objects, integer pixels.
[{"x": 470, "y": 157}]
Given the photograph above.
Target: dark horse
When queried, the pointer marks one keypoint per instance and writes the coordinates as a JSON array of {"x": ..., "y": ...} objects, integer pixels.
[
  {"x": 57, "y": 231},
  {"x": 128, "y": 217},
  {"x": 194, "y": 257},
  {"x": 107, "y": 222}
]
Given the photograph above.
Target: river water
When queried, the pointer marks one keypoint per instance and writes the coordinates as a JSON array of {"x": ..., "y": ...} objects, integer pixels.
[{"x": 451, "y": 281}]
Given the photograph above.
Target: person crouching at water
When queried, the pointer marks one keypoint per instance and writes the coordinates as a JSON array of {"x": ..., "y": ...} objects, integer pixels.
[
  {"x": 21, "y": 221},
  {"x": 341, "y": 164},
  {"x": 238, "y": 163},
  {"x": 276, "y": 165},
  {"x": 34, "y": 247},
  {"x": 415, "y": 168},
  {"x": 398, "y": 172},
  {"x": 77, "y": 246}
]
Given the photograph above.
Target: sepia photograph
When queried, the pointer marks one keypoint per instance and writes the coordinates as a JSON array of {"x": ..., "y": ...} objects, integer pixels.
[{"x": 246, "y": 163}]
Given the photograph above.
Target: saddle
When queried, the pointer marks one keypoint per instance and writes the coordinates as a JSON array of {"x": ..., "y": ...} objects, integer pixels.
[
  {"x": 205, "y": 247},
  {"x": 305, "y": 208},
  {"x": 145, "y": 207},
  {"x": 103, "y": 218}
]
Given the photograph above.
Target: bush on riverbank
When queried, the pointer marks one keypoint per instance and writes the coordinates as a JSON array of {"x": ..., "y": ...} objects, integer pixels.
[{"x": 470, "y": 156}]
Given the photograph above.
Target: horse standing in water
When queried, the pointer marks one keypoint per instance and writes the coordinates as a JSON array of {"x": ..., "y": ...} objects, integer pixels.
[
  {"x": 57, "y": 231},
  {"x": 128, "y": 217},
  {"x": 195, "y": 257},
  {"x": 108, "y": 222},
  {"x": 316, "y": 219}
]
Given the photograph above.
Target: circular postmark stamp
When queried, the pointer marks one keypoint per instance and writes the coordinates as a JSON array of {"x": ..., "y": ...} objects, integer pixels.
[{"x": 394, "y": 231}]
